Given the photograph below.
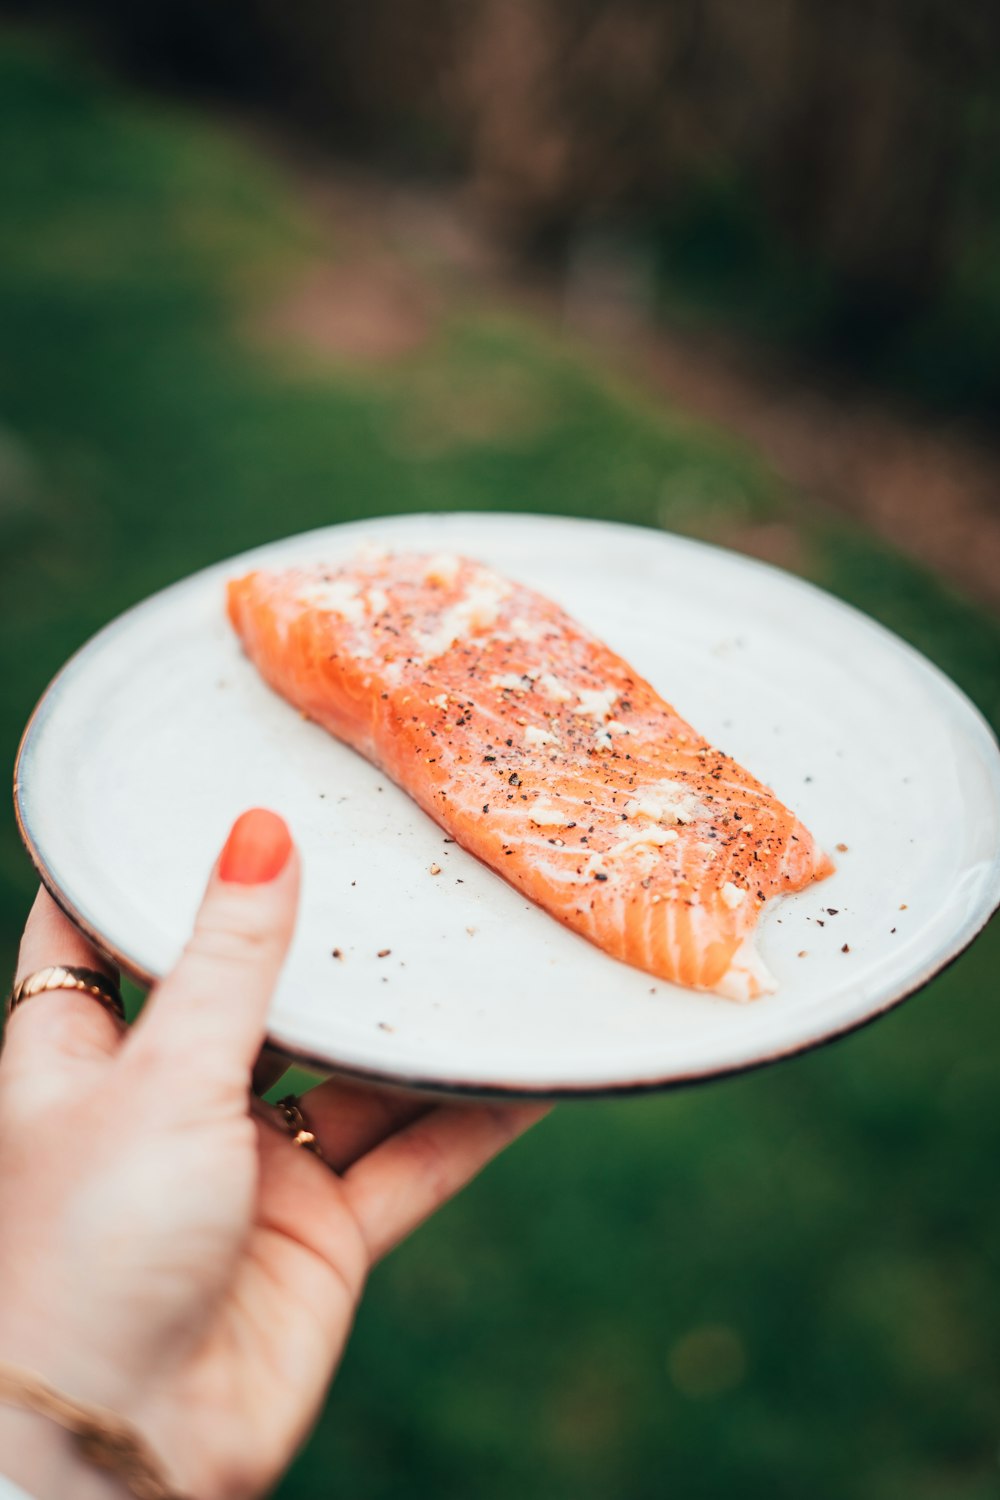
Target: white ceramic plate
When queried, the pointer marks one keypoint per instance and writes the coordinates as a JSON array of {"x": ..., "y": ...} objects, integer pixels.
[{"x": 159, "y": 732}]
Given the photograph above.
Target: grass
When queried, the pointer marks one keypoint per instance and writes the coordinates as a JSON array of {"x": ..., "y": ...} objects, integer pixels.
[{"x": 784, "y": 1285}]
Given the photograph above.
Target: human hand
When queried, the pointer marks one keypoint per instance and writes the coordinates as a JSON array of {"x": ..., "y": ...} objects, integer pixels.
[{"x": 165, "y": 1250}]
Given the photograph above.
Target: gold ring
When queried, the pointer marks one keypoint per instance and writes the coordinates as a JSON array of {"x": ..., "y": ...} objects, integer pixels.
[
  {"x": 69, "y": 977},
  {"x": 295, "y": 1125}
]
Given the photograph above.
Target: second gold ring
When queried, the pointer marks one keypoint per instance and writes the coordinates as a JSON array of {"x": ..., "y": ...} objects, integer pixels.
[{"x": 296, "y": 1125}]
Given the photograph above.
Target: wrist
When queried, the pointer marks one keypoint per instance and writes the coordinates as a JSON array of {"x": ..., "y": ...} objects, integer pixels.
[
  {"x": 43, "y": 1459},
  {"x": 57, "y": 1439},
  {"x": 66, "y": 1360}
]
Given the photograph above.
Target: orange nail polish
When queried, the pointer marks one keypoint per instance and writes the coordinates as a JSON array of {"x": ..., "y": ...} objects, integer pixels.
[{"x": 257, "y": 848}]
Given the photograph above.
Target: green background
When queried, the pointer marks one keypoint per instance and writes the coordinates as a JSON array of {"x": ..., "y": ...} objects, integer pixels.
[{"x": 782, "y": 1285}]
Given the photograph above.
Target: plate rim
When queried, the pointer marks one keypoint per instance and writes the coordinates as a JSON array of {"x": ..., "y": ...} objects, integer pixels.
[{"x": 416, "y": 1082}]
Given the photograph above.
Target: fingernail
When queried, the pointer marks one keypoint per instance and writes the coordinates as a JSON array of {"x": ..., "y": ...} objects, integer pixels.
[{"x": 257, "y": 848}]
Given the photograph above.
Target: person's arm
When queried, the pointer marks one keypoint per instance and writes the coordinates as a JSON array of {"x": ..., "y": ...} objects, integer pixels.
[
  {"x": 37, "y": 1461},
  {"x": 165, "y": 1250}
]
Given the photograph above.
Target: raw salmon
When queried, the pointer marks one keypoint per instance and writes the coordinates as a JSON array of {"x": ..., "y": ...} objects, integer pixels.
[{"x": 539, "y": 750}]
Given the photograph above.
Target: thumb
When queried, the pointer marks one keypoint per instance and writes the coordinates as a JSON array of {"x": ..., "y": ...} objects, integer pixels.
[{"x": 212, "y": 1008}]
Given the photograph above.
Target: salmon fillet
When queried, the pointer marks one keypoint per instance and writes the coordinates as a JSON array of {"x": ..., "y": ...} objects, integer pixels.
[{"x": 539, "y": 750}]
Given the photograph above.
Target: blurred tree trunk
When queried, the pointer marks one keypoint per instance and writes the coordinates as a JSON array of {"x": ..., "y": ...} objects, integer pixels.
[
  {"x": 570, "y": 108},
  {"x": 864, "y": 171}
]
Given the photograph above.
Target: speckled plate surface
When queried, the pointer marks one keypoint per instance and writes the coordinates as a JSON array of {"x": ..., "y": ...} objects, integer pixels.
[{"x": 159, "y": 732}]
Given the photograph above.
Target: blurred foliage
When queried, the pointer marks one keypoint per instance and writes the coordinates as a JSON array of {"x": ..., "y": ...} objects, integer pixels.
[
  {"x": 823, "y": 174},
  {"x": 784, "y": 1285}
]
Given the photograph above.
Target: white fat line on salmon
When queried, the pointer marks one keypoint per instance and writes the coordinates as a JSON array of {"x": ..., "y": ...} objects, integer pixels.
[
  {"x": 615, "y": 913},
  {"x": 490, "y": 725},
  {"x": 655, "y": 933},
  {"x": 560, "y": 871},
  {"x": 739, "y": 789},
  {"x": 669, "y": 915},
  {"x": 547, "y": 840}
]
